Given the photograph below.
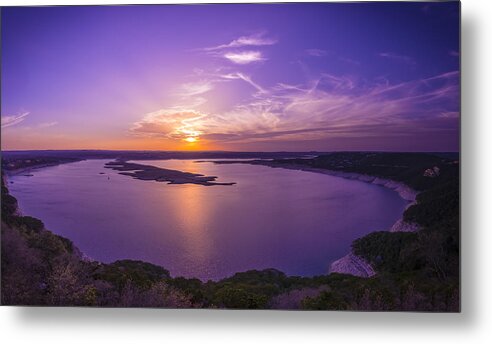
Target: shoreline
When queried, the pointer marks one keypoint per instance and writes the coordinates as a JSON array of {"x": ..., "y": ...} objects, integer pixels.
[
  {"x": 28, "y": 169},
  {"x": 351, "y": 263},
  {"x": 405, "y": 192}
]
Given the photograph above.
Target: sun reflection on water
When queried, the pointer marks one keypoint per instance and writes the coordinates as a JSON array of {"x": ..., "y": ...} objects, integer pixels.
[{"x": 193, "y": 213}]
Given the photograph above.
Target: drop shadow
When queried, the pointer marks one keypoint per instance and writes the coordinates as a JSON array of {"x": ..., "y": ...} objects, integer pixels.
[{"x": 469, "y": 163}]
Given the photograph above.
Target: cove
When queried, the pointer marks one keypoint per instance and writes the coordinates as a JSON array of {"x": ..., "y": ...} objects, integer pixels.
[{"x": 295, "y": 221}]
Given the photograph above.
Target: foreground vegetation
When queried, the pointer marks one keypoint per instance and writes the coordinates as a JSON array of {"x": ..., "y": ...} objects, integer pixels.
[{"x": 416, "y": 271}]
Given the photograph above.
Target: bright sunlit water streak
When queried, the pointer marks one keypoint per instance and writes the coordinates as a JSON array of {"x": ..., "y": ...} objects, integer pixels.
[{"x": 295, "y": 221}]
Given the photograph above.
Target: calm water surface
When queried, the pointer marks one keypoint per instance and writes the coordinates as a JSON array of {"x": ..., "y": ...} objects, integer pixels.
[{"x": 295, "y": 221}]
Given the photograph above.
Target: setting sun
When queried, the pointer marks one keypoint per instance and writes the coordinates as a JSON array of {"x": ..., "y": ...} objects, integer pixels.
[{"x": 191, "y": 139}]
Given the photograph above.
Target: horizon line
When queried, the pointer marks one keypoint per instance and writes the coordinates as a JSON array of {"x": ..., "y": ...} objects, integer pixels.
[{"x": 227, "y": 151}]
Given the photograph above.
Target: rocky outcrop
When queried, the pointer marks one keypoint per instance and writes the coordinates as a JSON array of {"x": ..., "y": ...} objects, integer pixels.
[
  {"x": 353, "y": 265},
  {"x": 404, "y": 191},
  {"x": 358, "y": 266},
  {"x": 432, "y": 172}
]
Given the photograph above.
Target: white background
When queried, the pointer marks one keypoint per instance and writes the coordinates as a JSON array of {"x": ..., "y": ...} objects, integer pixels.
[{"x": 473, "y": 325}]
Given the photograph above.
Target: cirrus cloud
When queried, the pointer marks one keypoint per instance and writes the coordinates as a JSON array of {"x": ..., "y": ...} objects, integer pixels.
[
  {"x": 316, "y": 52},
  {"x": 398, "y": 58},
  {"x": 258, "y": 39},
  {"x": 244, "y": 57},
  {"x": 323, "y": 108},
  {"x": 235, "y": 52},
  {"x": 195, "y": 88},
  {"x": 8, "y": 121},
  {"x": 170, "y": 123}
]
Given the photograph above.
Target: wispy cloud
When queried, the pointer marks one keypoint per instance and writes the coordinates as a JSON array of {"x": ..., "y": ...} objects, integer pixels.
[
  {"x": 48, "y": 124},
  {"x": 243, "y": 50},
  {"x": 8, "y": 121},
  {"x": 245, "y": 78},
  {"x": 327, "y": 107},
  {"x": 337, "y": 106},
  {"x": 325, "y": 53},
  {"x": 454, "y": 53},
  {"x": 195, "y": 88},
  {"x": 316, "y": 52},
  {"x": 450, "y": 114},
  {"x": 399, "y": 58},
  {"x": 349, "y": 61},
  {"x": 322, "y": 107},
  {"x": 244, "y": 57},
  {"x": 170, "y": 123},
  {"x": 258, "y": 39}
]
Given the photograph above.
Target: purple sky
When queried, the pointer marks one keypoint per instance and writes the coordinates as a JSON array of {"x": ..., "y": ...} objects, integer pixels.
[{"x": 296, "y": 77}]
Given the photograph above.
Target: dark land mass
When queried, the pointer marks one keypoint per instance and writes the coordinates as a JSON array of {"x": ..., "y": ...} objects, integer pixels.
[
  {"x": 146, "y": 172},
  {"x": 32, "y": 162},
  {"x": 416, "y": 271},
  {"x": 408, "y": 168},
  {"x": 53, "y": 155},
  {"x": 9, "y": 156}
]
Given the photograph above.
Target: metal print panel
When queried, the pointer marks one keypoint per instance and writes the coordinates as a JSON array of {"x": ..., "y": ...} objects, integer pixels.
[{"x": 249, "y": 156}]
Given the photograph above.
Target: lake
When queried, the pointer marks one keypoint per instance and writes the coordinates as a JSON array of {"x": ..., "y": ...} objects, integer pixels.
[{"x": 294, "y": 221}]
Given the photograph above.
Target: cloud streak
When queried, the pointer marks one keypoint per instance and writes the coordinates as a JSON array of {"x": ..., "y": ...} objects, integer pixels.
[
  {"x": 48, "y": 124},
  {"x": 321, "y": 108},
  {"x": 258, "y": 39},
  {"x": 316, "y": 52},
  {"x": 243, "y": 50},
  {"x": 244, "y": 57},
  {"x": 171, "y": 123},
  {"x": 245, "y": 78},
  {"x": 328, "y": 107},
  {"x": 8, "y": 121},
  {"x": 195, "y": 88},
  {"x": 398, "y": 58}
]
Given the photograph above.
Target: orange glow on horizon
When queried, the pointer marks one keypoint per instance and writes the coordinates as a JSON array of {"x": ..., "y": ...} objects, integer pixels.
[{"x": 11, "y": 140}]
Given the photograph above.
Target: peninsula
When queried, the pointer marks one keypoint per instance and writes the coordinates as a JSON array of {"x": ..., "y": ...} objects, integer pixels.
[{"x": 147, "y": 172}]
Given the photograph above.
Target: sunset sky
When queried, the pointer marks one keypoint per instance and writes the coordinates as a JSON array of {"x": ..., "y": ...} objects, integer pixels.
[{"x": 296, "y": 77}]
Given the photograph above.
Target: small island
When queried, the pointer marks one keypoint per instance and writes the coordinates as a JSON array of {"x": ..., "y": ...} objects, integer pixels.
[{"x": 147, "y": 172}]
